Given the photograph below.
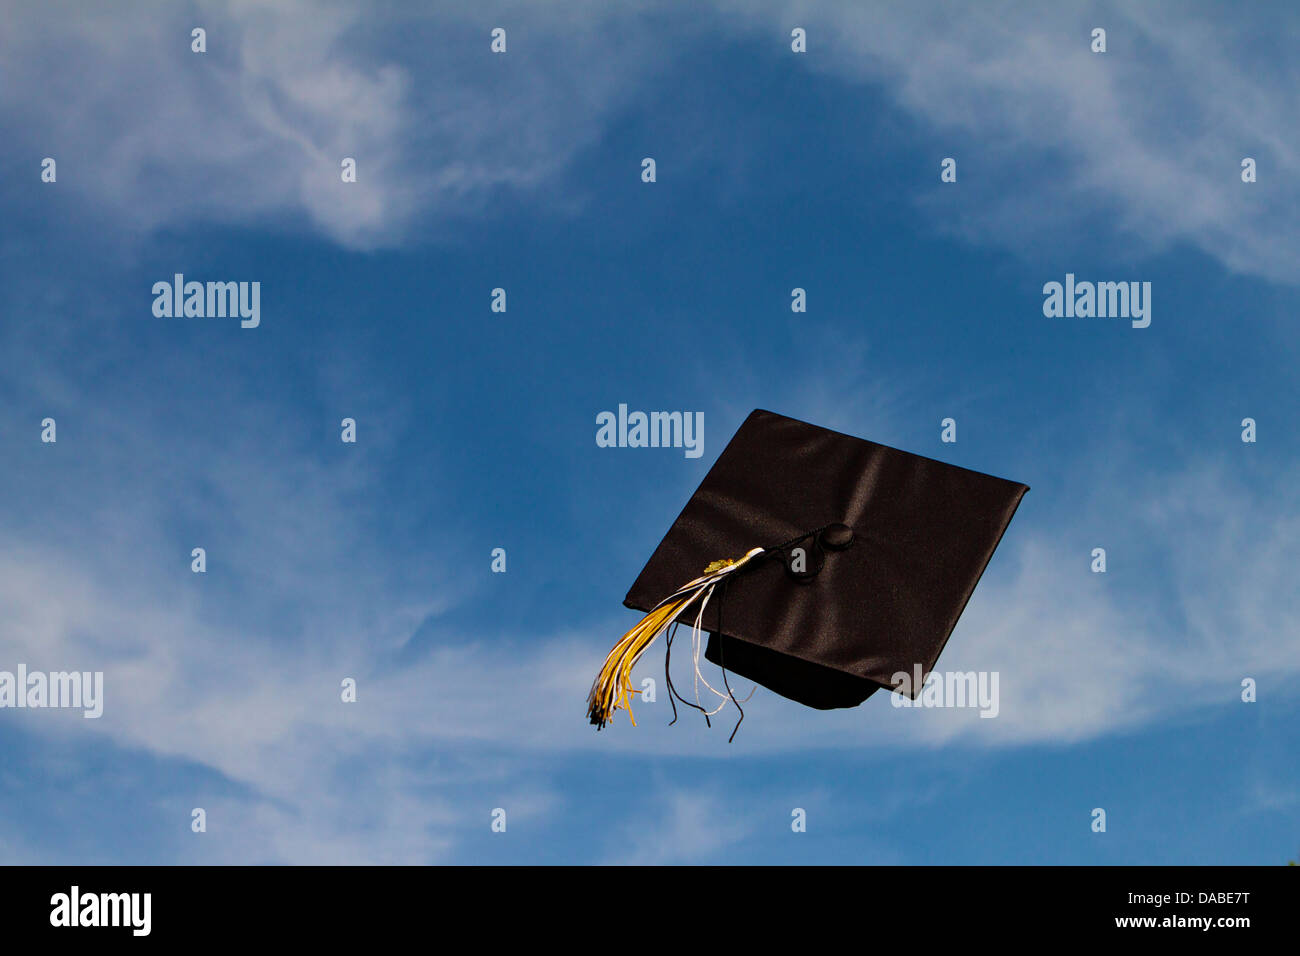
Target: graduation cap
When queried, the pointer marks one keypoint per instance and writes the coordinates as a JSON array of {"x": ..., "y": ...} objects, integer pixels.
[{"x": 821, "y": 566}]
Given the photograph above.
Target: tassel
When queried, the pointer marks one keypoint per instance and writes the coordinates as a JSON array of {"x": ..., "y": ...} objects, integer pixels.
[{"x": 609, "y": 691}]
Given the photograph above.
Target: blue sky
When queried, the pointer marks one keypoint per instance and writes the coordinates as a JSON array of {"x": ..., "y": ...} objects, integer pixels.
[{"x": 476, "y": 430}]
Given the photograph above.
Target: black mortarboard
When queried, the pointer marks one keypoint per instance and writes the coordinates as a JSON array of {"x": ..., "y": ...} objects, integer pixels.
[{"x": 821, "y": 565}]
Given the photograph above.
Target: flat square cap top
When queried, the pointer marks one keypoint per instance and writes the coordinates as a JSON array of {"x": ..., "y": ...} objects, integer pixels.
[{"x": 923, "y": 532}]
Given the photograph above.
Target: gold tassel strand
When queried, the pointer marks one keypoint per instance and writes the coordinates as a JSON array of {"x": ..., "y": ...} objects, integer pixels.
[{"x": 609, "y": 691}]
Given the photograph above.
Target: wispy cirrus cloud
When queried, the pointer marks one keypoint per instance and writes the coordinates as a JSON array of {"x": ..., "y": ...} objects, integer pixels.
[
  {"x": 253, "y": 131},
  {"x": 687, "y": 826},
  {"x": 1142, "y": 144},
  {"x": 1143, "y": 141}
]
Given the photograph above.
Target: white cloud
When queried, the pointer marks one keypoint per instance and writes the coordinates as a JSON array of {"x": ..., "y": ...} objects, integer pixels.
[
  {"x": 1143, "y": 141},
  {"x": 685, "y": 826},
  {"x": 253, "y": 132},
  {"x": 155, "y": 135}
]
